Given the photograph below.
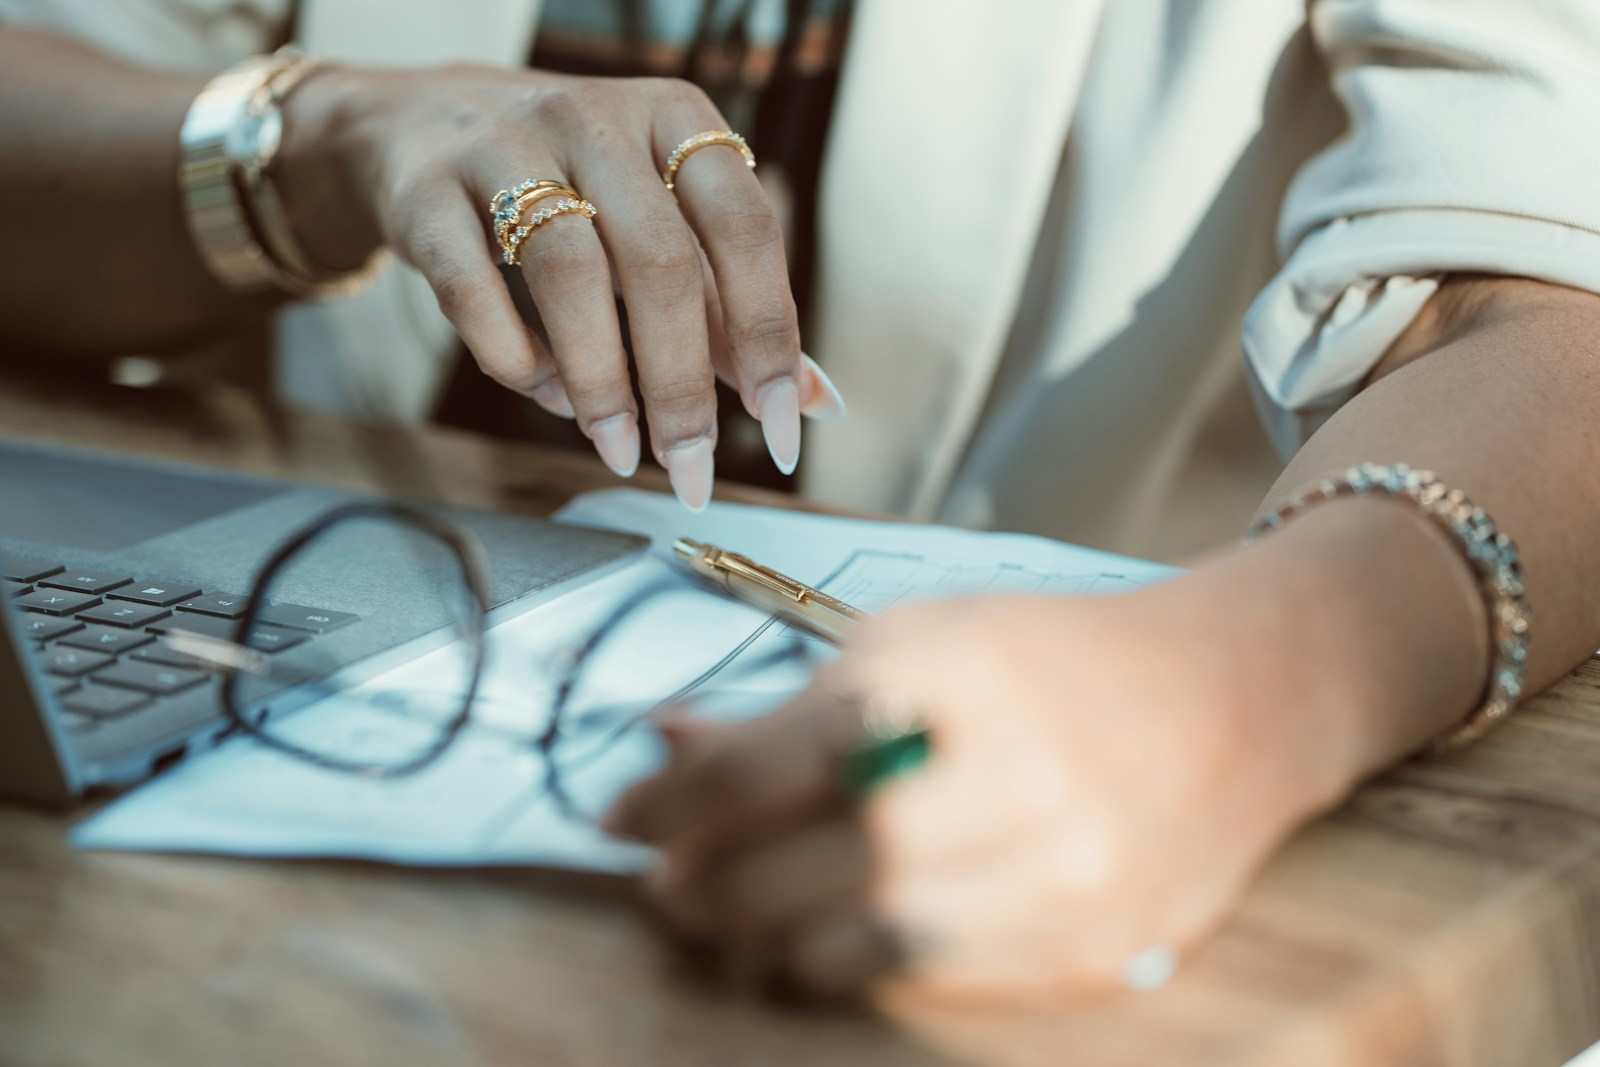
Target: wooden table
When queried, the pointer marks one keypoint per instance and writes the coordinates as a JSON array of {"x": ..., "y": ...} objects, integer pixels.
[{"x": 1450, "y": 914}]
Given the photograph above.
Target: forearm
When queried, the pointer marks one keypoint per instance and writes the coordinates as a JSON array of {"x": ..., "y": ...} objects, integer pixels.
[
  {"x": 98, "y": 254},
  {"x": 1493, "y": 389}
]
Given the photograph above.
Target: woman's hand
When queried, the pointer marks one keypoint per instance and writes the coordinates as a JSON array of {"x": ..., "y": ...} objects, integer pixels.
[
  {"x": 412, "y": 160},
  {"x": 1105, "y": 776}
]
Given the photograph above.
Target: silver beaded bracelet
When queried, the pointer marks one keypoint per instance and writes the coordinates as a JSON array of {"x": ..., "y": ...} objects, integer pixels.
[{"x": 1493, "y": 557}]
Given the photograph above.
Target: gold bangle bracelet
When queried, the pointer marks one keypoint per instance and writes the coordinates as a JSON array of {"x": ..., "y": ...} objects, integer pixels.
[{"x": 1494, "y": 559}]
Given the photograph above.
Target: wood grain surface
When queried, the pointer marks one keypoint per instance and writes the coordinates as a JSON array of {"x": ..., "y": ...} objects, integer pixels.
[{"x": 1449, "y": 914}]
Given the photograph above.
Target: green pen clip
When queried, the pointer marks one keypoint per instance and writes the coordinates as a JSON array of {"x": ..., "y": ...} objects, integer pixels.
[{"x": 870, "y": 765}]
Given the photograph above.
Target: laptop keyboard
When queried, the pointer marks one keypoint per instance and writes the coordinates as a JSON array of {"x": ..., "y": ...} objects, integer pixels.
[{"x": 99, "y": 635}]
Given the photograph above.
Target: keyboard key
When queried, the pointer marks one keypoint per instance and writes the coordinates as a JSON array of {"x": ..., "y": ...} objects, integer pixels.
[
  {"x": 78, "y": 724},
  {"x": 160, "y": 652},
  {"x": 107, "y": 639},
  {"x": 311, "y": 620},
  {"x": 269, "y": 638},
  {"x": 26, "y": 570},
  {"x": 43, "y": 627},
  {"x": 205, "y": 625},
  {"x": 222, "y": 605},
  {"x": 149, "y": 677},
  {"x": 56, "y": 601},
  {"x": 17, "y": 588},
  {"x": 103, "y": 703},
  {"x": 63, "y": 685},
  {"x": 122, "y": 613},
  {"x": 82, "y": 581},
  {"x": 264, "y": 636},
  {"x": 73, "y": 662},
  {"x": 160, "y": 594}
]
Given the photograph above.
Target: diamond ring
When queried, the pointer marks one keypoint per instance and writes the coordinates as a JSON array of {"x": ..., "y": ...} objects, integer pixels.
[
  {"x": 691, "y": 145},
  {"x": 512, "y": 224}
]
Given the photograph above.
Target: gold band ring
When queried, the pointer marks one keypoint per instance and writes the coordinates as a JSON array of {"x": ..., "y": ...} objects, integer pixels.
[
  {"x": 508, "y": 206},
  {"x": 527, "y": 200},
  {"x": 693, "y": 144}
]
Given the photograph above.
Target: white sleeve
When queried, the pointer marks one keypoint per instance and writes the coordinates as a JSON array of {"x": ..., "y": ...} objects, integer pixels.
[{"x": 1474, "y": 145}]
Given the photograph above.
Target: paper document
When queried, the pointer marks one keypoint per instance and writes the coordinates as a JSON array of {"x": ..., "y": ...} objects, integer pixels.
[{"x": 488, "y": 799}]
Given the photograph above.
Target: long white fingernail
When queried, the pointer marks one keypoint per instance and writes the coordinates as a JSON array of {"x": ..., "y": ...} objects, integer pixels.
[
  {"x": 617, "y": 441},
  {"x": 821, "y": 399},
  {"x": 552, "y": 396},
  {"x": 778, "y": 407},
  {"x": 690, "y": 468}
]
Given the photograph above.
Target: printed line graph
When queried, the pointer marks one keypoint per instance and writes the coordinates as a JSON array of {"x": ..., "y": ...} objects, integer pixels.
[{"x": 875, "y": 581}]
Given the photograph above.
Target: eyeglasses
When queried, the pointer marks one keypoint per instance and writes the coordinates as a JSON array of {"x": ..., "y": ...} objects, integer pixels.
[{"x": 391, "y": 723}]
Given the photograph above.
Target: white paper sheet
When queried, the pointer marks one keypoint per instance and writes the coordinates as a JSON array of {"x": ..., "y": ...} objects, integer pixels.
[{"x": 486, "y": 800}]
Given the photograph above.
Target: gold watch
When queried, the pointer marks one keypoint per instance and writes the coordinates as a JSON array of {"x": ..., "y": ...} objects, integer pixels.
[{"x": 230, "y": 139}]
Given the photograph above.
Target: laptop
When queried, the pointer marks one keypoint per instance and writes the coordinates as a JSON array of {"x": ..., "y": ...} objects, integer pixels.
[{"x": 101, "y": 556}]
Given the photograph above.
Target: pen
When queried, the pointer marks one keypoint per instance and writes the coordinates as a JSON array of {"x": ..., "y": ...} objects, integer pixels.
[
  {"x": 765, "y": 588},
  {"x": 882, "y": 754}
]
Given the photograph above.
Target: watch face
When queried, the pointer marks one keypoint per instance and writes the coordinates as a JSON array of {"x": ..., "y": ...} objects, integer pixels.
[
  {"x": 271, "y": 135},
  {"x": 253, "y": 141}
]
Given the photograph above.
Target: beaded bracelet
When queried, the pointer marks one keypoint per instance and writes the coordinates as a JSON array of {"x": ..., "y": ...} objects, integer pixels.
[{"x": 1494, "y": 561}]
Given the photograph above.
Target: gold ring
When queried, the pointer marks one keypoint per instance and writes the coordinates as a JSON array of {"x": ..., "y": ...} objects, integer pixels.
[
  {"x": 507, "y": 218},
  {"x": 693, "y": 144},
  {"x": 508, "y": 205}
]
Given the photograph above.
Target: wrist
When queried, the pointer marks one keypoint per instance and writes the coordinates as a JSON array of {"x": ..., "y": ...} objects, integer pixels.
[
  {"x": 1372, "y": 636},
  {"x": 322, "y": 186}
]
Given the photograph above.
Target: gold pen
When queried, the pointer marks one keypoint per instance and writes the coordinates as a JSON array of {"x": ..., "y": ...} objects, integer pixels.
[
  {"x": 881, "y": 755},
  {"x": 768, "y": 590}
]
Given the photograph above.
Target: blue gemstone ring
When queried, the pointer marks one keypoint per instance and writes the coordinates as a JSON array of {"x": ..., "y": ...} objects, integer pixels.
[{"x": 508, "y": 209}]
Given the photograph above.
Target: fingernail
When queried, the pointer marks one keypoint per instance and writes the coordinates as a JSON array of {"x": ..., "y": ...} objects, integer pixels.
[
  {"x": 822, "y": 400},
  {"x": 778, "y": 406},
  {"x": 552, "y": 396},
  {"x": 690, "y": 468},
  {"x": 617, "y": 441}
]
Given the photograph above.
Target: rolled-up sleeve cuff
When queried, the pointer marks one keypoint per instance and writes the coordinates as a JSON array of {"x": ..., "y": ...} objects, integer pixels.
[{"x": 1354, "y": 285}]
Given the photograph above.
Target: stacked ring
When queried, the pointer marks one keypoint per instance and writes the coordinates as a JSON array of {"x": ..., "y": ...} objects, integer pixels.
[
  {"x": 693, "y": 144},
  {"x": 508, "y": 205}
]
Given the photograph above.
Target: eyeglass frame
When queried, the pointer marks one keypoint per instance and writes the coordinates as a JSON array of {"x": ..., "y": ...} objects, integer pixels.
[
  {"x": 234, "y": 658},
  {"x": 467, "y": 553}
]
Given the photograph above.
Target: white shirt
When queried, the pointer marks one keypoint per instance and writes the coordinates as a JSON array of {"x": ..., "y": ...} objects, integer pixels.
[{"x": 1051, "y": 228}]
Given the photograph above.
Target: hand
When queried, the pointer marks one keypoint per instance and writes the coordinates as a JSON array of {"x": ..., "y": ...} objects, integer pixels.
[
  {"x": 412, "y": 159},
  {"x": 1106, "y": 775}
]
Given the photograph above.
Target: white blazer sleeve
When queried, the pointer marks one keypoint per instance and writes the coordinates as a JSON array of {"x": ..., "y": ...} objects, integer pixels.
[{"x": 1474, "y": 145}]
